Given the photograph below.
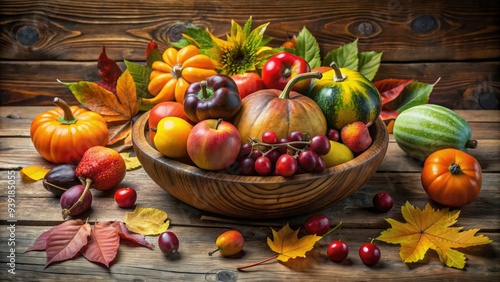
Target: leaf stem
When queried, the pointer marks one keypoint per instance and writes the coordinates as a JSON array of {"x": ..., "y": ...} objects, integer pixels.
[{"x": 257, "y": 263}]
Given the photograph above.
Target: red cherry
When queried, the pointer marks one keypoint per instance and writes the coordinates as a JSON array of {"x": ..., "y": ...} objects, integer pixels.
[
  {"x": 125, "y": 197},
  {"x": 369, "y": 253},
  {"x": 333, "y": 134},
  {"x": 382, "y": 202},
  {"x": 337, "y": 251},
  {"x": 317, "y": 224}
]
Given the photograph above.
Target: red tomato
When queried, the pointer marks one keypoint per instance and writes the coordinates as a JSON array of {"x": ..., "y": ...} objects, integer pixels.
[
  {"x": 125, "y": 197},
  {"x": 248, "y": 83},
  {"x": 452, "y": 177},
  {"x": 165, "y": 109}
]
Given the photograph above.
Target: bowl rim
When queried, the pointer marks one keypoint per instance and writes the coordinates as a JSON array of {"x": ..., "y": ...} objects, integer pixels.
[{"x": 378, "y": 131}]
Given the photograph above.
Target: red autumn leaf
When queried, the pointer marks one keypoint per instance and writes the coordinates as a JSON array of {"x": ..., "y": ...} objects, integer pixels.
[
  {"x": 108, "y": 70},
  {"x": 40, "y": 243},
  {"x": 103, "y": 244},
  {"x": 66, "y": 240},
  {"x": 391, "y": 88},
  {"x": 134, "y": 237},
  {"x": 387, "y": 114}
]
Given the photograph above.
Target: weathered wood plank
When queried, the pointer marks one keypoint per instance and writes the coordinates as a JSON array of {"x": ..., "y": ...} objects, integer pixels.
[
  {"x": 355, "y": 211},
  {"x": 194, "y": 264},
  {"x": 405, "y": 31},
  {"x": 462, "y": 85}
]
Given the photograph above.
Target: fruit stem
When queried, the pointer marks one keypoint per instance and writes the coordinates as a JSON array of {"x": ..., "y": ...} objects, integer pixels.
[
  {"x": 329, "y": 231},
  {"x": 289, "y": 85},
  {"x": 257, "y": 263},
  {"x": 472, "y": 144},
  {"x": 68, "y": 117},
  {"x": 66, "y": 212},
  {"x": 219, "y": 121},
  {"x": 203, "y": 89},
  {"x": 290, "y": 144},
  {"x": 339, "y": 76},
  {"x": 213, "y": 252},
  {"x": 455, "y": 169}
]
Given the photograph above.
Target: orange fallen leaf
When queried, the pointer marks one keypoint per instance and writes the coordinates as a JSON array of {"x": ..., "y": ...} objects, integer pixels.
[
  {"x": 103, "y": 244},
  {"x": 431, "y": 229}
]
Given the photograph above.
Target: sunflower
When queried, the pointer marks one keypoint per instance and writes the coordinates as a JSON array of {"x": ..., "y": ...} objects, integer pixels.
[{"x": 244, "y": 49}]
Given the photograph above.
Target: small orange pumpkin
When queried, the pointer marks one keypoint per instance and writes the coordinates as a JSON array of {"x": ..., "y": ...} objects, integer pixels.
[
  {"x": 63, "y": 134},
  {"x": 280, "y": 111},
  {"x": 452, "y": 177}
]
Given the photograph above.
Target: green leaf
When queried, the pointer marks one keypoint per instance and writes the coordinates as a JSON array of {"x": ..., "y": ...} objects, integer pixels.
[
  {"x": 183, "y": 42},
  {"x": 368, "y": 64},
  {"x": 198, "y": 37},
  {"x": 414, "y": 94},
  {"x": 345, "y": 56},
  {"x": 308, "y": 48},
  {"x": 140, "y": 74}
]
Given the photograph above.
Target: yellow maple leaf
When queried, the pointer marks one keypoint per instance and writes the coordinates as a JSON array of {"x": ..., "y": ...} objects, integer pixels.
[
  {"x": 130, "y": 162},
  {"x": 146, "y": 221},
  {"x": 430, "y": 229},
  {"x": 287, "y": 244},
  {"x": 34, "y": 172}
]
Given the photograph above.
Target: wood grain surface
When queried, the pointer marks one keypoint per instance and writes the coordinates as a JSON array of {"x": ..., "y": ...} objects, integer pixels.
[
  {"x": 37, "y": 210},
  {"x": 424, "y": 40}
]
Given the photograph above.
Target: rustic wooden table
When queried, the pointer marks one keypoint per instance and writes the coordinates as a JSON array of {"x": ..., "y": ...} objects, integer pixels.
[{"x": 36, "y": 210}]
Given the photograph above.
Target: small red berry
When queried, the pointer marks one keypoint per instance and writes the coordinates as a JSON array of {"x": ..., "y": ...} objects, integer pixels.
[
  {"x": 382, "y": 202},
  {"x": 369, "y": 253},
  {"x": 337, "y": 251}
]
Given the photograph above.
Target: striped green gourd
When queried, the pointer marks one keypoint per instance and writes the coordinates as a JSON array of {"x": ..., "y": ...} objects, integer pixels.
[
  {"x": 346, "y": 96},
  {"x": 424, "y": 129}
]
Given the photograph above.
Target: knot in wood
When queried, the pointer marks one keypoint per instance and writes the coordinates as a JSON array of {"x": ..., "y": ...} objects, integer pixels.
[
  {"x": 424, "y": 24},
  {"x": 27, "y": 36}
]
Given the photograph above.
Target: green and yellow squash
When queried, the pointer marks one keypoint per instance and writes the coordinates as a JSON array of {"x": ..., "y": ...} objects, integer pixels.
[
  {"x": 346, "y": 96},
  {"x": 424, "y": 129}
]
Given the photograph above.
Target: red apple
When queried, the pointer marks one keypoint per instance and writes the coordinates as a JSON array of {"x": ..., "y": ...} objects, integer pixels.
[
  {"x": 165, "y": 109},
  {"x": 248, "y": 83},
  {"x": 213, "y": 144}
]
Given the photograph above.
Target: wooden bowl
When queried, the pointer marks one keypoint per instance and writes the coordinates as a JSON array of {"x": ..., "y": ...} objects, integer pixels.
[{"x": 258, "y": 196}]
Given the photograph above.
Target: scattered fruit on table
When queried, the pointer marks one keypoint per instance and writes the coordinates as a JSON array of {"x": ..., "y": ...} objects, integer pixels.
[
  {"x": 74, "y": 202},
  {"x": 229, "y": 243},
  {"x": 171, "y": 137},
  {"x": 280, "y": 68},
  {"x": 369, "y": 253},
  {"x": 346, "y": 96},
  {"x": 339, "y": 153},
  {"x": 424, "y": 129},
  {"x": 317, "y": 224},
  {"x": 280, "y": 111},
  {"x": 125, "y": 197},
  {"x": 101, "y": 168},
  {"x": 213, "y": 144},
  {"x": 60, "y": 178},
  {"x": 452, "y": 177},
  {"x": 337, "y": 251},
  {"x": 382, "y": 202},
  {"x": 356, "y": 136},
  {"x": 171, "y": 77},
  {"x": 63, "y": 134},
  {"x": 248, "y": 83},
  {"x": 168, "y": 243},
  {"x": 165, "y": 109},
  {"x": 215, "y": 97}
]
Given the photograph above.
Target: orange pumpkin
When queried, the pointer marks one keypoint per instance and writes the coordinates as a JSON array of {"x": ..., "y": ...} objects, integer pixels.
[
  {"x": 451, "y": 177},
  {"x": 280, "y": 111},
  {"x": 63, "y": 134}
]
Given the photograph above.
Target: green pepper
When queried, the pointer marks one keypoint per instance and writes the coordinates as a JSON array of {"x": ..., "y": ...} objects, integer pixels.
[{"x": 213, "y": 98}]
